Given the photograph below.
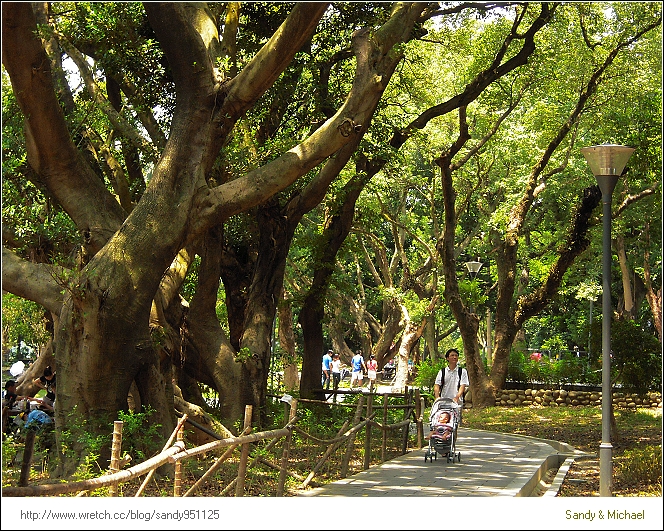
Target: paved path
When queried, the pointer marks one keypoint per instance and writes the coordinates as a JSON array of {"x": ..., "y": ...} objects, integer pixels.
[{"x": 492, "y": 464}]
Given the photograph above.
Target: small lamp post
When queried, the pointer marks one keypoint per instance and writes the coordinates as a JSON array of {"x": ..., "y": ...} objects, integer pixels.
[
  {"x": 607, "y": 163},
  {"x": 473, "y": 269}
]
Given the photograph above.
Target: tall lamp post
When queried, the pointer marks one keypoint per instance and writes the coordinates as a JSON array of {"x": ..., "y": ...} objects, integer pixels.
[{"x": 607, "y": 163}]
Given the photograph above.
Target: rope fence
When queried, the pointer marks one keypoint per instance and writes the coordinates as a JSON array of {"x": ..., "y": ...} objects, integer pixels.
[{"x": 175, "y": 453}]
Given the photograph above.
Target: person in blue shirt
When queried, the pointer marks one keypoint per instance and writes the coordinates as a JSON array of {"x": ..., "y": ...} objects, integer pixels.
[
  {"x": 358, "y": 366},
  {"x": 327, "y": 370}
]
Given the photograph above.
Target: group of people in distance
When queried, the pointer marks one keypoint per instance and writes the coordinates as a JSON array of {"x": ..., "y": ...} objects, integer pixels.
[
  {"x": 332, "y": 370},
  {"x": 32, "y": 410}
]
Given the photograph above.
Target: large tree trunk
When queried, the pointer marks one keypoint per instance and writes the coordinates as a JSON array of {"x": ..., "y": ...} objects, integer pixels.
[
  {"x": 93, "y": 385},
  {"x": 264, "y": 295},
  {"x": 431, "y": 345},
  {"x": 287, "y": 343},
  {"x": 412, "y": 332},
  {"x": 311, "y": 320},
  {"x": 208, "y": 354},
  {"x": 654, "y": 298},
  {"x": 625, "y": 273},
  {"x": 240, "y": 371}
]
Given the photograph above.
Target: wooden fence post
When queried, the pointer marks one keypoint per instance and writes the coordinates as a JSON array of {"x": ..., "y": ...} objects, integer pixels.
[
  {"x": 244, "y": 455},
  {"x": 258, "y": 459},
  {"x": 367, "y": 438},
  {"x": 407, "y": 395},
  {"x": 116, "y": 450},
  {"x": 166, "y": 446},
  {"x": 284, "y": 454},
  {"x": 419, "y": 411},
  {"x": 351, "y": 439},
  {"x": 383, "y": 450},
  {"x": 177, "y": 483},
  {"x": 28, "y": 450}
]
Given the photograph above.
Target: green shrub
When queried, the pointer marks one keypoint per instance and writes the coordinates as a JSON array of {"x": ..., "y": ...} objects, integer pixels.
[
  {"x": 77, "y": 435},
  {"x": 636, "y": 360},
  {"x": 86, "y": 444},
  {"x": 140, "y": 437},
  {"x": 426, "y": 375},
  {"x": 566, "y": 370},
  {"x": 570, "y": 370},
  {"x": 536, "y": 370},
  {"x": 516, "y": 369},
  {"x": 9, "y": 448}
]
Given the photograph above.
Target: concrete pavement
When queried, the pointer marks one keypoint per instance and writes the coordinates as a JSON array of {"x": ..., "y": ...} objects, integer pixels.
[{"x": 491, "y": 464}]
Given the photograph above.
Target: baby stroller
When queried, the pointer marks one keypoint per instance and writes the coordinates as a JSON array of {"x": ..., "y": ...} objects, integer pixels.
[
  {"x": 389, "y": 371},
  {"x": 443, "y": 421}
]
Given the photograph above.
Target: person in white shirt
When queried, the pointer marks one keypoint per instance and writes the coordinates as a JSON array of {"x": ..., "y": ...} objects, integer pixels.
[
  {"x": 336, "y": 371},
  {"x": 449, "y": 383}
]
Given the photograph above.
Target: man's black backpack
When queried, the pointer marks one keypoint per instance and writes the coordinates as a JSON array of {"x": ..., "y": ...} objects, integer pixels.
[{"x": 442, "y": 381}]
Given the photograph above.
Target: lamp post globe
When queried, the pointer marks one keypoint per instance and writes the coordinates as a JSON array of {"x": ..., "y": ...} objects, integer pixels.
[
  {"x": 474, "y": 267},
  {"x": 607, "y": 162}
]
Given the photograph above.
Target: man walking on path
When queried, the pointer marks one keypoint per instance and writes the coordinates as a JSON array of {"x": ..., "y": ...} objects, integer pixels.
[
  {"x": 327, "y": 369},
  {"x": 358, "y": 366},
  {"x": 451, "y": 381}
]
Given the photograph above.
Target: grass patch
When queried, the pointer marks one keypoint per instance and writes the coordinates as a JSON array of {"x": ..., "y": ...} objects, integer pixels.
[
  {"x": 637, "y": 450},
  {"x": 641, "y": 466}
]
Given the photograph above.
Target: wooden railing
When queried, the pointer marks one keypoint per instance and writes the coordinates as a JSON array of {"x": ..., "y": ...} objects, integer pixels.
[{"x": 174, "y": 451}]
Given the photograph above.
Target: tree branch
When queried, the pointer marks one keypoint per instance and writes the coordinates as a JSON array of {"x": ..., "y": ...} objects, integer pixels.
[
  {"x": 117, "y": 120},
  {"x": 35, "y": 282},
  {"x": 576, "y": 243},
  {"x": 51, "y": 152},
  {"x": 482, "y": 80},
  {"x": 633, "y": 198},
  {"x": 375, "y": 64}
]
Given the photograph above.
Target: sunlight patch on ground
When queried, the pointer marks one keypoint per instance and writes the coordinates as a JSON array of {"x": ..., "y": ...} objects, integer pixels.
[{"x": 652, "y": 412}]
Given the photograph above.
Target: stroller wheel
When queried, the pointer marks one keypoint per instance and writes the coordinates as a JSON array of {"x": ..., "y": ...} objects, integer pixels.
[
  {"x": 458, "y": 457},
  {"x": 425, "y": 458}
]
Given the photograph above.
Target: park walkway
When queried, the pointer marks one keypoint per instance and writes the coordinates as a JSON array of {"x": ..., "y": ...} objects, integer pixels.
[{"x": 492, "y": 464}]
